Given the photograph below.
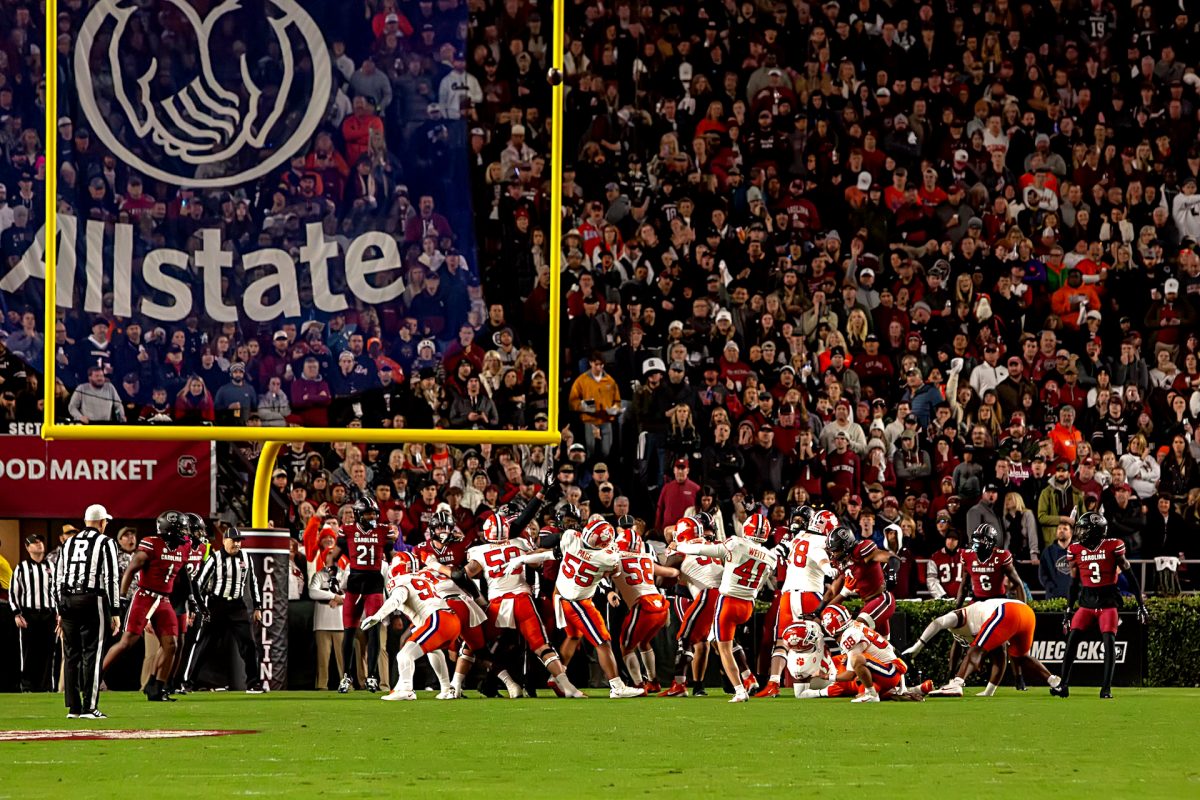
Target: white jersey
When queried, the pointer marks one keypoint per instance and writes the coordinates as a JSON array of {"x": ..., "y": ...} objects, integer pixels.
[
  {"x": 977, "y": 615},
  {"x": 494, "y": 558},
  {"x": 635, "y": 577},
  {"x": 807, "y": 564},
  {"x": 807, "y": 667},
  {"x": 701, "y": 572},
  {"x": 581, "y": 568},
  {"x": 414, "y": 596},
  {"x": 859, "y": 638},
  {"x": 747, "y": 566}
]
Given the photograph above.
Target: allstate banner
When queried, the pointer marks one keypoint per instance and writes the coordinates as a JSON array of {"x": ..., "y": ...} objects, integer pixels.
[
  {"x": 59, "y": 479},
  {"x": 270, "y": 553}
]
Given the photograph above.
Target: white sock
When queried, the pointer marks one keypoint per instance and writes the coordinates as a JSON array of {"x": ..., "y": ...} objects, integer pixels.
[
  {"x": 457, "y": 681},
  {"x": 1054, "y": 681},
  {"x": 989, "y": 691},
  {"x": 746, "y": 674},
  {"x": 648, "y": 660},
  {"x": 634, "y": 666},
  {"x": 437, "y": 660},
  {"x": 509, "y": 683},
  {"x": 406, "y": 665},
  {"x": 564, "y": 683},
  {"x": 775, "y": 677},
  {"x": 617, "y": 683}
]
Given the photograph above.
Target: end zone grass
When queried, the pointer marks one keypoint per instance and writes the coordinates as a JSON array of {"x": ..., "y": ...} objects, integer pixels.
[{"x": 314, "y": 744}]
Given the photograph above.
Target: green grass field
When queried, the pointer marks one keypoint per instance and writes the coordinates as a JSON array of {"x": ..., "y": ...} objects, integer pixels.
[{"x": 1142, "y": 744}]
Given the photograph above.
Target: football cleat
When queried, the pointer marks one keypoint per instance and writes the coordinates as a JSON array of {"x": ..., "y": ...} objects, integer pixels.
[
  {"x": 397, "y": 694},
  {"x": 676, "y": 689},
  {"x": 95, "y": 713},
  {"x": 255, "y": 690},
  {"x": 626, "y": 691},
  {"x": 870, "y": 696},
  {"x": 515, "y": 692},
  {"x": 345, "y": 685},
  {"x": 72, "y": 715},
  {"x": 575, "y": 694},
  {"x": 949, "y": 690},
  {"x": 550, "y": 684},
  {"x": 652, "y": 687},
  {"x": 1062, "y": 690},
  {"x": 699, "y": 692},
  {"x": 372, "y": 685},
  {"x": 770, "y": 690},
  {"x": 1106, "y": 694},
  {"x": 449, "y": 693},
  {"x": 750, "y": 684},
  {"x": 740, "y": 697}
]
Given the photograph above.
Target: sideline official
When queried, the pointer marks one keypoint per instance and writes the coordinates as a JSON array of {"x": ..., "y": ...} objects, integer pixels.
[
  {"x": 32, "y": 600},
  {"x": 221, "y": 588},
  {"x": 87, "y": 590}
]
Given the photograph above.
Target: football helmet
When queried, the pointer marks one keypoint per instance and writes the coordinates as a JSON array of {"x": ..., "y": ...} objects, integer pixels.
[
  {"x": 403, "y": 563},
  {"x": 597, "y": 534},
  {"x": 442, "y": 528},
  {"x": 197, "y": 529},
  {"x": 688, "y": 530},
  {"x": 1090, "y": 529},
  {"x": 569, "y": 517},
  {"x": 804, "y": 636},
  {"x": 800, "y": 518},
  {"x": 985, "y": 540},
  {"x": 708, "y": 525},
  {"x": 840, "y": 543},
  {"x": 757, "y": 528},
  {"x": 835, "y": 618},
  {"x": 366, "y": 512},
  {"x": 822, "y": 523},
  {"x": 628, "y": 539},
  {"x": 172, "y": 527},
  {"x": 495, "y": 527}
]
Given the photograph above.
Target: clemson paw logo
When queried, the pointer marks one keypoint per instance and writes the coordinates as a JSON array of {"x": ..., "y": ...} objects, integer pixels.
[{"x": 243, "y": 90}]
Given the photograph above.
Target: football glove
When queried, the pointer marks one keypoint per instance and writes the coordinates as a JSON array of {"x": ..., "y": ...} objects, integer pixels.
[
  {"x": 1143, "y": 614},
  {"x": 1066, "y": 623}
]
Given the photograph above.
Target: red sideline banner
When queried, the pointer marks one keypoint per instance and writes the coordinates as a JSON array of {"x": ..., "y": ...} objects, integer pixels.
[
  {"x": 270, "y": 553},
  {"x": 132, "y": 479}
]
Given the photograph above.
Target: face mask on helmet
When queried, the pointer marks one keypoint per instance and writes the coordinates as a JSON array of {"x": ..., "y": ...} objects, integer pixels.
[
  {"x": 840, "y": 544},
  {"x": 803, "y": 637},
  {"x": 983, "y": 541},
  {"x": 756, "y": 528},
  {"x": 822, "y": 523},
  {"x": 628, "y": 541}
]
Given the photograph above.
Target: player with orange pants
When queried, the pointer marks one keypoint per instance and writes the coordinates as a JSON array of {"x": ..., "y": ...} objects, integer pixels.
[
  {"x": 435, "y": 626},
  {"x": 872, "y": 666},
  {"x": 501, "y": 561},
  {"x": 747, "y": 565},
  {"x": 702, "y": 576},
  {"x": 999, "y": 627},
  {"x": 648, "y": 609}
]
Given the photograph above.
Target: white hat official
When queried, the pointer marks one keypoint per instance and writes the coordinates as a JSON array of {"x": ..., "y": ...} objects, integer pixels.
[{"x": 95, "y": 513}]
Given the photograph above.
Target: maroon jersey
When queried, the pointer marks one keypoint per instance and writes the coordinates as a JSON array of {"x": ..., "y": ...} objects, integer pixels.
[
  {"x": 1098, "y": 572},
  {"x": 948, "y": 565},
  {"x": 987, "y": 577},
  {"x": 162, "y": 565},
  {"x": 446, "y": 556},
  {"x": 195, "y": 558},
  {"x": 366, "y": 550},
  {"x": 863, "y": 576}
]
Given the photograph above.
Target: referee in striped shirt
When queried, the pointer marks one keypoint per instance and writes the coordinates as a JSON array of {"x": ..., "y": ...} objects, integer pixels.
[
  {"x": 87, "y": 590},
  {"x": 221, "y": 589},
  {"x": 32, "y": 599}
]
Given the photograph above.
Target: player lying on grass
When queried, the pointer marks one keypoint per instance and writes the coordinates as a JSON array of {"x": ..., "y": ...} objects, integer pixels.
[{"x": 991, "y": 625}]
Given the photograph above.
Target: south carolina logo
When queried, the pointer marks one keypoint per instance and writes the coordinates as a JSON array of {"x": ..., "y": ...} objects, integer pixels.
[{"x": 202, "y": 102}]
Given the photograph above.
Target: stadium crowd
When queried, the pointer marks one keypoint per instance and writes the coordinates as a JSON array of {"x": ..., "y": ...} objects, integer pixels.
[{"x": 926, "y": 264}]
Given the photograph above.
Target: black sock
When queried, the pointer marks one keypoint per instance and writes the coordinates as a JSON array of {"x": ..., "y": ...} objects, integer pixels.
[
  {"x": 348, "y": 650},
  {"x": 1069, "y": 656},
  {"x": 373, "y": 653},
  {"x": 1110, "y": 658}
]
